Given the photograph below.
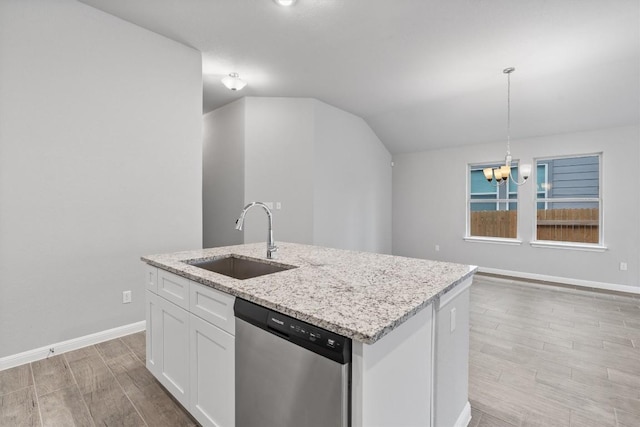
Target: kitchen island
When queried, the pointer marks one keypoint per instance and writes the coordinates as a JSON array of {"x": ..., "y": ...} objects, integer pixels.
[{"x": 408, "y": 319}]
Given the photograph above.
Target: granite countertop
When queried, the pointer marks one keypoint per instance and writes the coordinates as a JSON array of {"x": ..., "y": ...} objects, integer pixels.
[{"x": 359, "y": 295}]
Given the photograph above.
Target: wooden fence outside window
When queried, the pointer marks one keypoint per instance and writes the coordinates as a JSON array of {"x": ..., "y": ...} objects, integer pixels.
[{"x": 560, "y": 225}]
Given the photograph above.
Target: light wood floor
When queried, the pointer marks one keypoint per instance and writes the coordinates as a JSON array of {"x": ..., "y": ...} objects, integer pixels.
[
  {"x": 102, "y": 385},
  {"x": 551, "y": 356},
  {"x": 539, "y": 356}
]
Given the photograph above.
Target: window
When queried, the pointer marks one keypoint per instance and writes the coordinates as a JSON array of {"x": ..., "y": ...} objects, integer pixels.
[
  {"x": 492, "y": 208},
  {"x": 568, "y": 199}
]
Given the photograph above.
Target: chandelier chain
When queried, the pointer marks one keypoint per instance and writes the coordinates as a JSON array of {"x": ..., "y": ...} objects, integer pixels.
[{"x": 502, "y": 174}]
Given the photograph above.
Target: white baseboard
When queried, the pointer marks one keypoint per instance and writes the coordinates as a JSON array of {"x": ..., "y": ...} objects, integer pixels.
[
  {"x": 72, "y": 344},
  {"x": 563, "y": 280},
  {"x": 465, "y": 416}
]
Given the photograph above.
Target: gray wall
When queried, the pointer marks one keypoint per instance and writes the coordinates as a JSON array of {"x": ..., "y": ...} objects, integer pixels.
[
  {"x": 279, "y": 167},
  {"x": 429, "y": 207},
  {"x": 223, "y": 174},
  {"x": 328, "y": 170},
  {"x": 100, "y": 163},
  {"x": 352, "y": 184}
]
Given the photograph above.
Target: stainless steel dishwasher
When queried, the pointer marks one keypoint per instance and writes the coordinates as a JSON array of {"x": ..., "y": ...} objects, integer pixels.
[{"x": 289, "y": 373}]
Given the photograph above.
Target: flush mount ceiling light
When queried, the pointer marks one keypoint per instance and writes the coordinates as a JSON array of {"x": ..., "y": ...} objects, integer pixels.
[
  {"x": 285, "y": 2},
  {"x": 234, "y": 82},
  {"x": 503, "y": 173}
]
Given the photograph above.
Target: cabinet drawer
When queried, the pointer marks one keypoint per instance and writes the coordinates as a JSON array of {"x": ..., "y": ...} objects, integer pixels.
[
  {"x": 151, "y": 278},
  {"x": 213, "y": 306},
  {"x": 173, "y": 288}
]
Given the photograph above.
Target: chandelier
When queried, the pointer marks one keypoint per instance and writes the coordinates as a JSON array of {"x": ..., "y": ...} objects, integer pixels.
[{"x": 503, "y": 173}]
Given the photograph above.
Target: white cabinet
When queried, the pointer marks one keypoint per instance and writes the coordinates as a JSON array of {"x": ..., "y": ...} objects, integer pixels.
[
  {"x": 151, "y": 311},
  {"x": 417, "y": 375},
  {"x": 451, "y": 359},
  {"x": 173, "y": 288},
  {"x": 213, "y": 306},
  {"x": 212, "y": 366},
  {"x": 391, "y": 379},
  {"x": 151, "y": 278},
  {"x": 191, "y": 345},
  {"x": 169, "y": 346},
  {"x": 153, "y": 326}
]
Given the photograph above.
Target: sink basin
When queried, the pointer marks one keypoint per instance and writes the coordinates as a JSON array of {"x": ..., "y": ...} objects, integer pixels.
[{"x": 240, "y": 268}]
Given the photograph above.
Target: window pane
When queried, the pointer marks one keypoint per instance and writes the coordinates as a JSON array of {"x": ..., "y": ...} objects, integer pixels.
[
  {"x": 559, "y": 219},
  {"x": 492, "y": 222},
  {"x": 570, "y": 177},
  {"x": 475, "y": 207},
  {"x": 541, "y": 178},
  {"x": 479, "y": 183},
  {"x": 492, "y": 208},
  {"x": 569, "y": 222}
]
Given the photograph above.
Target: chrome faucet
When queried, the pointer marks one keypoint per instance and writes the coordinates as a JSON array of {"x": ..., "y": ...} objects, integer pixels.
[{"x": 271, "y": 247}]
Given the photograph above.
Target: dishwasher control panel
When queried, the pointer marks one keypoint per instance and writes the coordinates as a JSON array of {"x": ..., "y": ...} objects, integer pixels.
[
  {"x": 326, "y": 343},
  {"x": 305, "y": 331}
]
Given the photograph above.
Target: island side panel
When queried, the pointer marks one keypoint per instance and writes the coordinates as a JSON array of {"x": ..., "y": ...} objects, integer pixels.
[
  {"x": 392, "y": 378},
  {"x": 451, "y": 373}
]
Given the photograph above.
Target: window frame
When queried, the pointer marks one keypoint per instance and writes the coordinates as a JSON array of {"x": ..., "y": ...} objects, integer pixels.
[{"x": 600, "y": 246}]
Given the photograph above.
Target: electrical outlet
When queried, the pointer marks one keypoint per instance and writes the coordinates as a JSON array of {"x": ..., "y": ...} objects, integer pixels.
[
  {"x": 126, "y": 297},
  {"x": 453, "y": 319},
  {"x": 278, "y": 205},
  {"x": 437, "y": 248},
  {"x": 623, "y": 266}
]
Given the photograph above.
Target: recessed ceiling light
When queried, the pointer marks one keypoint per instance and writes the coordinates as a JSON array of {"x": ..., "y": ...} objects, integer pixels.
[
  {"x": 234, "y": 82},
  {"x": 285, "y": 2}
]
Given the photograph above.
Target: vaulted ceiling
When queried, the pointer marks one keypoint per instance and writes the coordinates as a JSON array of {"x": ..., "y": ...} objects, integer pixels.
[{"x": 424, "y": 74}]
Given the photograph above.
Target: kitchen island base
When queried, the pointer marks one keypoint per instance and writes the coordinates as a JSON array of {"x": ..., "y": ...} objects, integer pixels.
[
  {"x": 408, "y": 320},
  {"x": 417, "y": 375}
]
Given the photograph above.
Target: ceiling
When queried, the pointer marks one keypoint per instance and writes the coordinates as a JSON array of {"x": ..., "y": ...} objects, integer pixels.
[{"x": 425, "y": 74}]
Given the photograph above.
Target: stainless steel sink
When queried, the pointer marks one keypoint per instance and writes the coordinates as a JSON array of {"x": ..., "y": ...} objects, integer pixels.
[{"x": 240, "y": 268}]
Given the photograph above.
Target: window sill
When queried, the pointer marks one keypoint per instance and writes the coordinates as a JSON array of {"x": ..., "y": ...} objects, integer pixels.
[
  {"x": 493, "y": 240},
  {"x": 589, "y": 247}
]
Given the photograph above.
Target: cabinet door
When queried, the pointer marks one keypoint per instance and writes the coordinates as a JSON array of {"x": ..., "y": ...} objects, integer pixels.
[
  {"x": 212, "y": 374},
  {"x": 153, "y": 337},
  {"x": 172, "y": 356}
]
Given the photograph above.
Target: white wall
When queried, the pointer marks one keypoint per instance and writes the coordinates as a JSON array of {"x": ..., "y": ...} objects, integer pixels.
[
  {"x": 279, "y": 167},
  {"x": 429, "y": 208},
  {"x": 100, "y": 163},
  {"x": 352, "y": 183},
  {"x": 223, "y": 174}
]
